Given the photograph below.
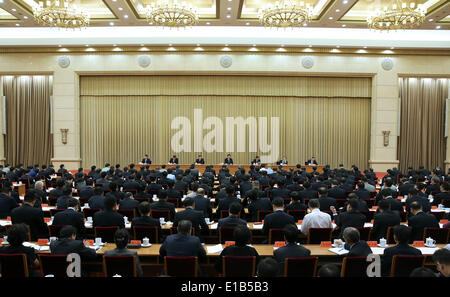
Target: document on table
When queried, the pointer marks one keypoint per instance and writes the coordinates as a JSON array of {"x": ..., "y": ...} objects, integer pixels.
[
  {"x": 215, "y": 249},
  {"x": 427, "y": 250},
  {"x": 338, "y": 251},
  {"x": 213, "y": 226},
  {"x": 377, "y": 250},
  {"x": 258, "y": 226}
]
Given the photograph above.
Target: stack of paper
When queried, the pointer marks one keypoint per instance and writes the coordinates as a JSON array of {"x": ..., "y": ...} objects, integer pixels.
[
  {"x": 427, "y": 250},
  {"x": 338, "y": 251},
  {"x": 215, "y": 249},
  {"x": 258, "y": 226},
  {"x": 213, "y": 226},
  {"x": 36, "y": 247},
  {"x": 377, "y": 250}
]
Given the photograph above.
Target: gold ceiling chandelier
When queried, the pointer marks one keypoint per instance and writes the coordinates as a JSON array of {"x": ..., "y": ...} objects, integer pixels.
[
  {"x": 171, "y": 14},
  {"x": 399, "y": 16},
  {"x": 62, "y": 14},
  {"x": 285, "y": 14}
]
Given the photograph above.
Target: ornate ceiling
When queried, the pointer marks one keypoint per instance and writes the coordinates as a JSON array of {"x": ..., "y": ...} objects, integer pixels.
[{"x": 327, "y": 13}]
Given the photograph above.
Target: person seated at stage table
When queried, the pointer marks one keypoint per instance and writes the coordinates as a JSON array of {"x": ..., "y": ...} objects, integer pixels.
[
  {"x": 311, "y": 161},
  {"x": 241, "y": 236},
  {"x": 256, "y": 161},
  {"x": 145, "y": 160},
  {"x": 199, "y": 160},
  {"x": 173, "y": 160},
  {"x": 283, "y": 161},
  {"x": 228, "y": 160}
]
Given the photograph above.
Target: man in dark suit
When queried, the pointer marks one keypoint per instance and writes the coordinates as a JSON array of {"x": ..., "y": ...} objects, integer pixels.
[
  {"x": 355, "y": 246},
  {"x": 98, "y": 200},
  {"x": 443, "y": 196},
  {"x": 401, "y": 236},
  {"x": 153, "y": 185},
  {"x": 384, "y": 219},
  {"x": 419, "y": 221},
  {"x": 67, "y": 244},
  {"x": 7, "y": 203},
  {"x": 173, "y": 160},
  {"x": 256, "y": 161},
  {"x": 108, "y": 216},
  {"x": 71, "y": 216},
  {"x": 308, "y": 192},
  {"x": 336, "y": 192},
  {"x": 361, "y": 191},
  {"x": 61, "y": 203},
  {"x": 162, "y": 204},
  {"x": 296, "y": 203},
  {"x": 180, "y": 184},
  {"x": 291, "y": 249},
  {"x": 228, "y": 160},
  {"x": 394, "y": 203},
  {"x": 278, "y": 219},
  {"x": 280, "y": 191},
  {"x": 405, "y": 187},
  {"x": 195, "y": 217},
  {"x": 171, "y": 192},
  {"x": 131, "y": 184},
  {"x": 312, "y": 161},
  {"x": 233, "y": 219},
  {"x": 441, "y": 258},
  {"x": 203, "y": 204},
  {"x": 224, "y": 203},
  {"x": 183, "y": 244},
  {"x": 58, "y": 191},
  {"x": 362, "y": 205},
  {"x": 128, "y": 202},
  {"x": 146, "y": 220},
  {"x": 146, "y": 160},
  {"x": 413, "y": 196},
  {"x": 31, "y": 216},
  {"x": 325, "y": 201},
  {"x": 88, "y": 190},
  {"x": 256, "y": 204},
  {"x": 199, "y": 160},
  {"x": 350, "y": 218}
]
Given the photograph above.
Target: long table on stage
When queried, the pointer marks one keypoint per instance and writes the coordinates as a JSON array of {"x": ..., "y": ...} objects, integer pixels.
[{"x": 232, "y": 168}]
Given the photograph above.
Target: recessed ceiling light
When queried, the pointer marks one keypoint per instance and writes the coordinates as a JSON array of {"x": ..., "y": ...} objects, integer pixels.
[
  {"x": 120, "y": 8},
  {"x": 114, "y": 0},
  {"x": 344, "y": 25},
  {"x": 304, "y": 25},
  {"x": 430, "y": 20},
  {"x": 247, "y": 23},
  {"x": 111, "y": 23},
  {"x": 345, "y": 2},
  {"x": 228, "y": 16},
  {"x": 230, "y": 0},
  {"x": 17, "y": 25},
  {"x": 330, "y": 18},
  {"x": 25, "y": 17},
  {"x": 13, "y": 9},
  {"x": 338, "y": 10},
  {"x": 438, "y": 27},
  {"x": 150, "y": 23},
  {"x": 208, "y": 23},
  {"x": 229, "y": 8},
  {"x": 125, "y": 16}
]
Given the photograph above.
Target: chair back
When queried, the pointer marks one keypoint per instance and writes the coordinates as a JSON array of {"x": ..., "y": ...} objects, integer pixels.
[
  {"x": 181, "y": 266},
  {"x": 163, "y": 213},
  {"x": 354, "y": 267},
  {"x": 369, "y": 215},
  {"x": 89, "y": 212},
  {"x": 446, "y": 203},
  {"x": 54, "y": 230},
  {"x": 300, "y": 267},
  {"x": 403, "y": 216},
  {"x": 14, "y": 265},
  {"x": 262, "y": 214},
  {"x": 175, "y": 201},
  {"x": 390, "y": 235},
  {"x": 441, "y": 235},
  {"x": 233, "y": 266},
  {"x": 55, "y": 211},
  {"x": 317, "y": 235},
  {"x": 53, "y": 264},
  {"x": 403, "y": 265},
  {"x": 106, "y": 233},
  {"x": 151, "y": 232},
  {"x": 297, "y": 214},
  {"x": 439, "y": 215},
  {"x": 129, "y": 213},
  {"x": 364, "y": 233},
  {"x": 371, "y": 202},
  {"x": 226, "y": 234},
  {"x": 340, "y": 202},
  {"x": 125, "y": 266},
  {"x": 275, "y": 235},
  {"x": 224, "y": 213},
  {"x": 52, "y": 201},
  {"x": 83, "y": 200}
]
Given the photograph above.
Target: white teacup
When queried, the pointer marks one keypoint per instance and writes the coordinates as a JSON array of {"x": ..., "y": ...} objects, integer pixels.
[
  {"x": 430, "y": 241},
  {"x": 162, "y": 220},
  {"x": 337, "y": 243},
  {"x": 89, "y": 219},
  {"x": 53, "y": 239},
  {"x": 146, "y": 241},
  {"x": 125, "y": 219},
  {"x": 238, "y": 196},
  {"x": 207, "y": 220},
  {"x": 86, "y": 205},
  {"x": 5, "y": 239},
  {"x": 382, "y": 242},
  {"x": 98, "y": 241},
  {"x": 441, "y": 206}
]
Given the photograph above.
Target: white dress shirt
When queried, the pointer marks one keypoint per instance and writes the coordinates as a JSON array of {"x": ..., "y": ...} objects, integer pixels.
[{"x": 316, "y": 219}]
